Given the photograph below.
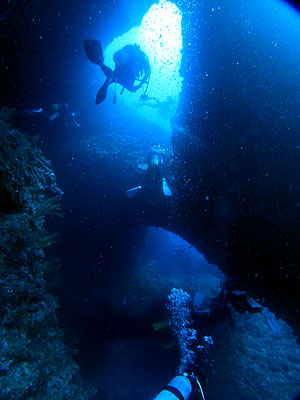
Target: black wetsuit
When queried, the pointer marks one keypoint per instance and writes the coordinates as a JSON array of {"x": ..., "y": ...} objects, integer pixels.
[{"x": 136, "y": 67}]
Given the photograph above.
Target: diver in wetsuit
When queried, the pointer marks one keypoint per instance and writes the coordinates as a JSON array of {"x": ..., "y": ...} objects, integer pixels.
[
  {"x": 153, "y": 177},
  {"x": 237, "y": 299},
  {"x": 230, "y": 299},
  {"x": 131, "y": 64},
  {"x": 154, "y": 184},
  {"x": 61, "y": 111}
]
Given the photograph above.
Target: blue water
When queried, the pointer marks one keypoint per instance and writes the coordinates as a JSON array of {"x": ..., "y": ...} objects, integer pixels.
[
  {"x": 174, "y": 255},
  {"x": 117, "y": 271}
]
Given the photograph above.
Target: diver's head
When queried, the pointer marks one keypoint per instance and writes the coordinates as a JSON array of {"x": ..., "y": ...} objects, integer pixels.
[
  {"x": 59, "y": 106},
  {"x": 155, "y": 146}
]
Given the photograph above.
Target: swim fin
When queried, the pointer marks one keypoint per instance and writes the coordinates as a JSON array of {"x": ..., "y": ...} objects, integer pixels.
[
  {"x": 53, "y": 116},
  {"x": 33, "y": 111},
  {"x": 157, "y": 326},
  {"x": 132, "y": 192},
  {"x": 143, "y": 166},
  {"x": 94, "y": 52},
  {"x": 101, "y": 95},
  {"x": 166, "y": 189}
]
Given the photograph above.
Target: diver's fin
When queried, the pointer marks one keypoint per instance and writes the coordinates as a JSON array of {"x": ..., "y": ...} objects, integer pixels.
[
  {"x": 132, "y": 192},
  {"x": 101, "y": 95},
  {"x": 93, "y": 50},
  {"x": 33, "y": 111},
  {"x": 271, "y": 320},
  {"x": 36, "y": 110},
  {"x": 53, "y": 116},
  {"x": 157, "y": 326},
  {"x": 166, "y": 189},
  {"x": 169, "y": 345},
  {"x": 143, "y": 166}
]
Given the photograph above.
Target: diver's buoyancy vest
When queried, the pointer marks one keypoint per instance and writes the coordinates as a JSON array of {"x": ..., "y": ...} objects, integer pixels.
[
  {"x": 179, "y": 388},
  {"x": 154, "y": 160}
]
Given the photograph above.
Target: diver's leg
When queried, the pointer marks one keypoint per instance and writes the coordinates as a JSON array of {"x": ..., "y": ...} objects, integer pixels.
[
  {"x": 159, "y": 181},
  {"x": 93, "y": 49},
  {"x": 110, "y": 78},
  {"x": 148, "y": 178},
  {"x": 108, "y": 72}
]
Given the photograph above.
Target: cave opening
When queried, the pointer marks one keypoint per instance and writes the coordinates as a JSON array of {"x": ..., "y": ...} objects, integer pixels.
[
  {"x": 117, "y": 304},
  {"x": 236, "y": 168},
  {"x": 159, "y": 36},
  {"x": 131, "y": 287}
]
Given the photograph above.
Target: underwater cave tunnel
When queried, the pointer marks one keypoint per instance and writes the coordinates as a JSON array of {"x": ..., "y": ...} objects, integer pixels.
[
  {"x": 226, "y": 146},
  {"x": 198, "y": 213},
  {"x": 207, "y": 208},
  {"x": 222, "y": 201}
]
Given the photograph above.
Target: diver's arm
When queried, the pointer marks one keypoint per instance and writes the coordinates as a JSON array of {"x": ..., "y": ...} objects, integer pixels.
[
  {"x": 147, "y": 68},
  {"x": 135, "y": 88},
  {"x": 108, "y": 72},
  {"x": 147, "y": 72}
]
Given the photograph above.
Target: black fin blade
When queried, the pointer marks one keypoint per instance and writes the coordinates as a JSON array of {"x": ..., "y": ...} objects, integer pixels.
[
  {"x": 101, "y": 95},
  {"x": 93, "y": 50}
]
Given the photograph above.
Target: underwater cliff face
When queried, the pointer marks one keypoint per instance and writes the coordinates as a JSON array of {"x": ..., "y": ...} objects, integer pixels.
[
  {"x": 34, "y": 362},
  {"x": 237, "y": 154}
]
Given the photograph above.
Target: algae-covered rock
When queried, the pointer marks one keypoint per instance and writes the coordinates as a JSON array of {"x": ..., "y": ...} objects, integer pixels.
[{"x": 34, "y": 362}]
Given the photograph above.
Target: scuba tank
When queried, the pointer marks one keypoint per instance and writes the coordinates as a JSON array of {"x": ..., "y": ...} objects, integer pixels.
[{"x": 179, "y": 388}]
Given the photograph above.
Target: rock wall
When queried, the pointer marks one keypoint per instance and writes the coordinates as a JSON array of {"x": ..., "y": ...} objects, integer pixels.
[
  {"x": 34, "y": 362},
  {"x": 236, "y": 147}
]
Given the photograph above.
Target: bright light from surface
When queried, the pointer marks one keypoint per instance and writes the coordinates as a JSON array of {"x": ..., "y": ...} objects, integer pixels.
[{"x": 159, "y": 36}]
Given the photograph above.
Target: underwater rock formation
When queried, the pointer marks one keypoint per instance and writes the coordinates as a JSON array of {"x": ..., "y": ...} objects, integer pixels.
[
  {"x": 237, "y": 155},
  {"x": 34, "y": 362},
  {"x": 248, "y": 358}
]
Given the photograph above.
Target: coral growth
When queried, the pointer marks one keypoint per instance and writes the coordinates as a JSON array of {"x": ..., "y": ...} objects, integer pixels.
[{"x": 34, "y": 362}]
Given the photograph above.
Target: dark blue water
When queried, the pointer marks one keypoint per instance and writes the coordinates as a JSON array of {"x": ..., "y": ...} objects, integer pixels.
[{"x": 119, "y": 267}]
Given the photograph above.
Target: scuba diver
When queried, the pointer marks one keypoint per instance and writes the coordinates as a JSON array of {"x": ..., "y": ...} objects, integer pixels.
[
  {"x": 230, "y": 299},
  {"x": 57, "y": 110},
  {"x": 63, "y": 111},
  {"x": 131, "y": 64},
  {"x": 153, "y": 176},
  {"x": 166, "y": 109},
  {"x": 154, "y": 184}
]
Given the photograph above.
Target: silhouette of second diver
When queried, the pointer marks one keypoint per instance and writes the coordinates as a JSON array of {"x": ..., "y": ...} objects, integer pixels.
[{"x": 131, "y": 65}]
